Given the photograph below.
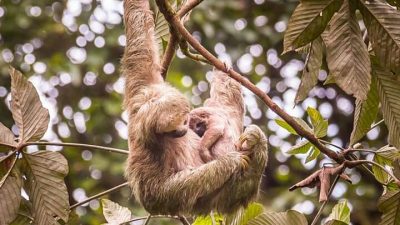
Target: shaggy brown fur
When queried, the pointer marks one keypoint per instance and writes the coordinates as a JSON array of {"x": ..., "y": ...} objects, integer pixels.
[
  {"x": 220, "y": 121},
  {"x": 164, "y": 167}
]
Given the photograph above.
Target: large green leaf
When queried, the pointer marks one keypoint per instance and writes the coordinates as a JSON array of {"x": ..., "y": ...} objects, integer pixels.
[
  {"x": 243, "y": 216},
  {"x": 389, "y": 94},
  {"x": 290, "y": 217},
  {"x": 389, "y": 205},
  {"x": 383, "y": 25},
  {"x": 47, "y": 191},
  {"x": 313, "y": 63},
  {"x": 365, "y": 113},
  {"x": 347, "y": 55},
  {"x": 207, "y": 220},
  {"x": 10, "y": 199},
  {"x": 114, "y": 213},
  {"x": 29, "y": 115},
  {"x": 340, "y": 214},
  {"x": 308, "y": 21}
]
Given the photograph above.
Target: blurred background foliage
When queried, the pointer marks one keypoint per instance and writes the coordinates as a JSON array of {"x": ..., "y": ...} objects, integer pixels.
[{"x": 71, "y": 51}]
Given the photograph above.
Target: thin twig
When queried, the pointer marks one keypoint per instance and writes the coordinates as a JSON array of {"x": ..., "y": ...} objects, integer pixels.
[
  {"x": 187, "y": 7},
  {"x": 98, "y": 195},
  {"x": 174, "y": 20},
  {"x": 358, "y": 150},
  {"x": 184, "y": 220},
  {"x": 169, "y": 54},
  {"x": 147, "y": 220},
  {"x": 116, "y": 150},
  {"x": 152, "y": 216},
  {"x": 354, "y": 163},
  {"x": 377, "y": 124},
  {"x": 186, "y": 51},
  {"x": 329, "y": 143},
  {"x": 316, "y": 218}
]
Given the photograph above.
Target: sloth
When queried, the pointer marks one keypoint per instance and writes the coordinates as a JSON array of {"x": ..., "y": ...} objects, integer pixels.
[
  {"x": 164, "y": 167},
  {"x": 221, "y": 114}
]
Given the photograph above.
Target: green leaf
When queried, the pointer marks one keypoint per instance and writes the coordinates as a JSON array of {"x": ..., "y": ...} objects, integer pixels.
[
  {"x": 335, "y": 222},
  {"x": 389, "y": 205},
  {"x": 389, "y": 94},
  {"x": 285, "y": 126},
  {"x": 207, "y": 220},
  {"x": 6, "y": 137},
  {"x": 289, "y": 128},
  {"x": 347, "y": 55},
  {"x": 384, "y": 157},
  {"x": 382, "y": 22},
  {"x": 243, "y": 216},
  {"x": 289, "y": 217},
  {"x": 47, "y": 191},
  {"x": 114, "y": 213},
  {"x": 341, "y": 213},
  {"x": 389, "y": 153},
  {"x": 10, "y": 195},
  {"x": 29, "y": 115},
  {"x": 161, "y": 31},
  {"x": 308, "y": 22},
  {"x": 311, "y": 70},
  {"x": 313, "y": 154},
  {"x": 301, "y": 148},
  {"x": 365, "y": 113},
  {"x": 320, "y": 125}
]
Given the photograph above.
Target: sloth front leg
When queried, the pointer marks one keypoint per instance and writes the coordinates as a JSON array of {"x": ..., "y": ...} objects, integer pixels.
[{"x": 243, "y": 187}]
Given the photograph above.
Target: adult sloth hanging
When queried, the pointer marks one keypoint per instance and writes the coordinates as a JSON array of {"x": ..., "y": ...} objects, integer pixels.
[{"x": 164, "y": 167}]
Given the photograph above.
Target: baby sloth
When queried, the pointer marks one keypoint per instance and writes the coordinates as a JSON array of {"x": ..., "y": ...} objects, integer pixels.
[{"x": 221, "y": 113}]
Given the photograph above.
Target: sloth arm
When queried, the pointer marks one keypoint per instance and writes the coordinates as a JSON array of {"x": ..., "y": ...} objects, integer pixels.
[
  {"x": 204, "y": 180},
  {"x": 140, "y": 62},
  {"x": 215, "y": 130}
]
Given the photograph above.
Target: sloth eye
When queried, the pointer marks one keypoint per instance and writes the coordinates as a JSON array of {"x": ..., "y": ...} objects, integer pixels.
[{"x": 186, "y": 122}]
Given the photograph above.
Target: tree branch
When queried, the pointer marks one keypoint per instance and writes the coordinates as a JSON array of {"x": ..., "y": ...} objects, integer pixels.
[
  {"x": 169, "y": 54},
  {"x": 98, "y": 195},
  {"x": 174, "y": 20}
]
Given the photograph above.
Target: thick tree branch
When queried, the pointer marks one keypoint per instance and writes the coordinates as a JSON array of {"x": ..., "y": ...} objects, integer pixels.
[
  {"x": 169, "y": 54},
  {"x": 174, "y": 20}
]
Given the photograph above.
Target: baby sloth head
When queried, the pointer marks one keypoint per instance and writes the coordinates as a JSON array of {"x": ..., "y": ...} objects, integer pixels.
[{"x": 198, "y": 121}]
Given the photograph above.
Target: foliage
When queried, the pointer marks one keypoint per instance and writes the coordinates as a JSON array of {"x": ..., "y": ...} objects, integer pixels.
[{"x": 71, "y": 51}]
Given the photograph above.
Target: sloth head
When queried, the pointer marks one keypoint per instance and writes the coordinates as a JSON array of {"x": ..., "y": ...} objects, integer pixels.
[
  {"x": 198, "y": 121},
  {"x": 160, "y": 111}
]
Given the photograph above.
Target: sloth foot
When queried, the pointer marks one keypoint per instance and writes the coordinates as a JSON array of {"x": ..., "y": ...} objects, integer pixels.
[{"x": 251, "y": 137}]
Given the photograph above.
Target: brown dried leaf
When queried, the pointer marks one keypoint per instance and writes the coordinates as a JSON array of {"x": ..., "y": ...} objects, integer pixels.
[{"x": 29, "y": 115}]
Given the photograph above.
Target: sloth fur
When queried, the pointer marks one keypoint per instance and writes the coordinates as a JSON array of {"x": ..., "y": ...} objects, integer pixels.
[{"x": 164, "y": 167}]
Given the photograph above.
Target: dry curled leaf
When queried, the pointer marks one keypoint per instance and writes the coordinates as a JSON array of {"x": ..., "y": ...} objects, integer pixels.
[{"x": 321, "y": 178}]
